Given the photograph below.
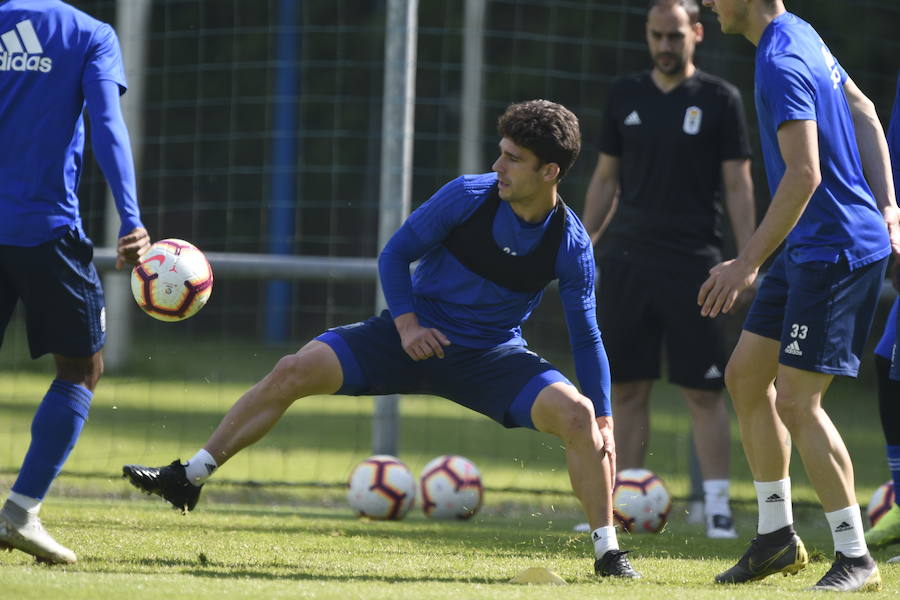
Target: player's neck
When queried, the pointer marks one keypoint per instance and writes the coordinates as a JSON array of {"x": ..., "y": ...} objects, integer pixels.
[
  {"x": 759, "y": 20},
  {"x": 667, "y": 82},
  {"x": 534, "y": 209}
]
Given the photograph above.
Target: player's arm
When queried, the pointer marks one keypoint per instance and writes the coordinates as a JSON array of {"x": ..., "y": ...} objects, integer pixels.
[
  {"x": 876, "y": 161},
  {"x": 404, "y": 248},
  {"x": 799, "y": 144},
  {"x": 738, "y": 187},
  {"x": 112, "y": 147},
  {"x": 602, "y": 196}
]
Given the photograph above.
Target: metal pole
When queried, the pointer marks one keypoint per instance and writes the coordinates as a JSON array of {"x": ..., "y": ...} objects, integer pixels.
[
  {"x": 472, "y": 121},
  {"x": 132, "y": 19},
  {"x": 396, "y": 169}
]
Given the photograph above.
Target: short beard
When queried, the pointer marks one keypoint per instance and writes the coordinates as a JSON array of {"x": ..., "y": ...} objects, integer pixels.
[{"x": 678, "y": 65}]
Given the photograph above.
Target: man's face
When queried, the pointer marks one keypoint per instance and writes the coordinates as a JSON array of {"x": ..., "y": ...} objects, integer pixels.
[
  {"x": 671, "y": 38},
  {"x": 732, "y": 14},
  {"x": 520, "y": 173}
]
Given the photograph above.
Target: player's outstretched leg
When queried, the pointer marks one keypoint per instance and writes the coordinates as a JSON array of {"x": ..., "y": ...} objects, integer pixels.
[
  {"x": 850, "y": 575},
  {"x": 169, "y": 482},
  {"x": 22, "y": 530},
  {"x": 886, "y": 530},
  {"x": 778, "y": 552}
]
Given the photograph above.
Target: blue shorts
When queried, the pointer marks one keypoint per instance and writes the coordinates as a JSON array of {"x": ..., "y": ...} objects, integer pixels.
[
  {"x": 60, "y": 290},
  {"x": 500, "y": 382},
  {"x": 820, "y": 311},
  {"x": 887, "y": 345}
]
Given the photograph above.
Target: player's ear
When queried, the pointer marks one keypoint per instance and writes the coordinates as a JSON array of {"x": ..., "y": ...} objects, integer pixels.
[
  {"x": 551, "y": 171},
  {"x": 698, "y": 31}
]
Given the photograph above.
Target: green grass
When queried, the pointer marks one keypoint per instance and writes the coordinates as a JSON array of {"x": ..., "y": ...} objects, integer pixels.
[
  {"x": 295, "y": 540},
  {"x": 139, "y": 547}
]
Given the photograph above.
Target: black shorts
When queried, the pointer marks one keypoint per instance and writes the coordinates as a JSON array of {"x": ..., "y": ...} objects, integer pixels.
[
  {"x": 60, "y": 290},
  {"x": 641, "y": 309}
]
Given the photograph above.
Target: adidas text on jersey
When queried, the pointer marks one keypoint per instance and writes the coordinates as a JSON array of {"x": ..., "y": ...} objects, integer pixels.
[{"x": 21, "y": 51}]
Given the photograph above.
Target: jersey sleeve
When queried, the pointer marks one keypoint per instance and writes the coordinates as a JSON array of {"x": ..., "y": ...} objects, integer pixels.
[
  {"x": 402, "y": 249},
  {"x": 577, "y": 275},
  {"x": 610, "y": 136},
  {"x": 433, "y": 221},
  {"x": 104, "y": 59},
  {"x": 788, "y": 88},
  {"x": 734, "y": 142}
]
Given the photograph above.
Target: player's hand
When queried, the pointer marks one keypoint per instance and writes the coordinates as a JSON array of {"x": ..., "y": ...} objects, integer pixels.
[
  {"x": 417, "y": 341},
  {"x": 131, "y": 247},
  {"x": 892, "y": 220},
  {"x": 609, "y": 445},
  {"x": 725, "y": 283}
]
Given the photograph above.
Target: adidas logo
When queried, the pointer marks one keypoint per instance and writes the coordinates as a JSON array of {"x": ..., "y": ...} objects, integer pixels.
[
  {"x": 595, "y": 536},
  {"x": 844, "y": 526},
  {"x": 713, "y": 373},
  {"x": 633, "y": 118},
  {"x": 209, "y": 468},
  {"x": 774, "y": 498},
  {"x": 19, "y": 47},
  {"x": 793, "y": 348}
]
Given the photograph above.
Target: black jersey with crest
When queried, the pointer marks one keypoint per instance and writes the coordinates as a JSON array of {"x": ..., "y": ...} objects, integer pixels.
[{"x": 671, "y": 147}]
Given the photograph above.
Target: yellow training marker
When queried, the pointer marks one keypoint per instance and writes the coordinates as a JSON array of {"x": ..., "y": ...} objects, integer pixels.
[{"x": 538, "y": 576}]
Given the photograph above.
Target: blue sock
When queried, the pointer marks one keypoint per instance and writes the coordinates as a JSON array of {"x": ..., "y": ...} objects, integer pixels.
[
  {"x": 54, "y": 431},
  {"x": 893, "y": 454}
]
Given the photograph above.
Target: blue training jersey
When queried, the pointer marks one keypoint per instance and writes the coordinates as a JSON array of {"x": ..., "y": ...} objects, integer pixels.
[
  {"x": 885, "y": 347},
  {"x": 49, "y": 52},
  {"x": 797, "y": 78},
  {"x": 893, "y": 140},
  {"x": 475, "y": 312}
]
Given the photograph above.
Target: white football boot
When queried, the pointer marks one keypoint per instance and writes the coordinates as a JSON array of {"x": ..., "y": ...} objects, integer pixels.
[{"x": 23, "y": 531}]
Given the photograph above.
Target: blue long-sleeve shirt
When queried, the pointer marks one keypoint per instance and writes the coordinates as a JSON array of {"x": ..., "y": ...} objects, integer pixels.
[
  {"x": 56, "y": 61},
  {"x": 477, "y": 313}
]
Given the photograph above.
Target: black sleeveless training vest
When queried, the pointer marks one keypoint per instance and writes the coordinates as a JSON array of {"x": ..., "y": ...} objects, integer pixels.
[{"x": 472, "y": 243}]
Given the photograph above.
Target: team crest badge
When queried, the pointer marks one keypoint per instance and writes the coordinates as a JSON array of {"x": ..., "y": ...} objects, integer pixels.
[{"x": 693, "y": 116}]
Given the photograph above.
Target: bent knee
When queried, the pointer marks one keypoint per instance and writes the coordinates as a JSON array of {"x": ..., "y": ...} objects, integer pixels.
[
  {"x": 567, "y": 415},
  {"x": 308, "y": 372}
]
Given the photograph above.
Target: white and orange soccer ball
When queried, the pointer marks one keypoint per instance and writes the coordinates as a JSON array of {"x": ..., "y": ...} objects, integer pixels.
[
  {"x": 641, "y": 501},
  {"x": 381, "y": 487},
  {"x": 451, "y": 488},
  {"x": 173, "y": 280},
  {"x": 880, "y": 502}
]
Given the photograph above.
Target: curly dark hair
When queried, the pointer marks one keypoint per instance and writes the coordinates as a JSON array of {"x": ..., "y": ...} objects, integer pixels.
[{"x": 548, "y": 129}]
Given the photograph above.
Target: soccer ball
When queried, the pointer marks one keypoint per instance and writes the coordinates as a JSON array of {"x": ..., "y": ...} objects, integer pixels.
[
  {"x": 173, "y": 280},
  {"x": 880, "y": 502},
  {"x": 381, "y": 487},
  {"x": 451, "y": 488},
  {"x": 641, "y": 501}
]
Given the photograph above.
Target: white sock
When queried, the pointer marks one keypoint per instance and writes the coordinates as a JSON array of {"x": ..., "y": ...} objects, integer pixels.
[
  {"x": 604, "y": 540},
  {"x": 774, "y": 501},
  {"x": 715, "y": 497},
  {"x": 847, "y": 531},
  {"x": 200, "y": 467},
  {"x": 32, "y": 505}
]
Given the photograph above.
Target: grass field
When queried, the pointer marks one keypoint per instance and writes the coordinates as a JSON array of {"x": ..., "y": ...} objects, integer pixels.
[{"x": 286, "y": 538}]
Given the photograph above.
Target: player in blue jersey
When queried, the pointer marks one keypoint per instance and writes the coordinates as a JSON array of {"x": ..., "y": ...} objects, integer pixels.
[
  {"x": 887, "y": 366},
  {"x": 487, "y": 245},
  {"x": 821, "y": 142},
  {"x": 54, "y": 60}
]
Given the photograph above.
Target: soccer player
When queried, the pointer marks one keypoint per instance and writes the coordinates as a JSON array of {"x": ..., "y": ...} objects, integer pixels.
[
  {"x": 833, "y": 207},
  {"x": 887, "y": 366},
  {"x": 55, "y": 59},
  {"x": 487, "y": 245},
  {"x": 674, "y": 141}
]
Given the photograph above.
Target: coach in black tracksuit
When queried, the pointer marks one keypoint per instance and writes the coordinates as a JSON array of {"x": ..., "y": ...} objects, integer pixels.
[{"x": 673, "y": 150}]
